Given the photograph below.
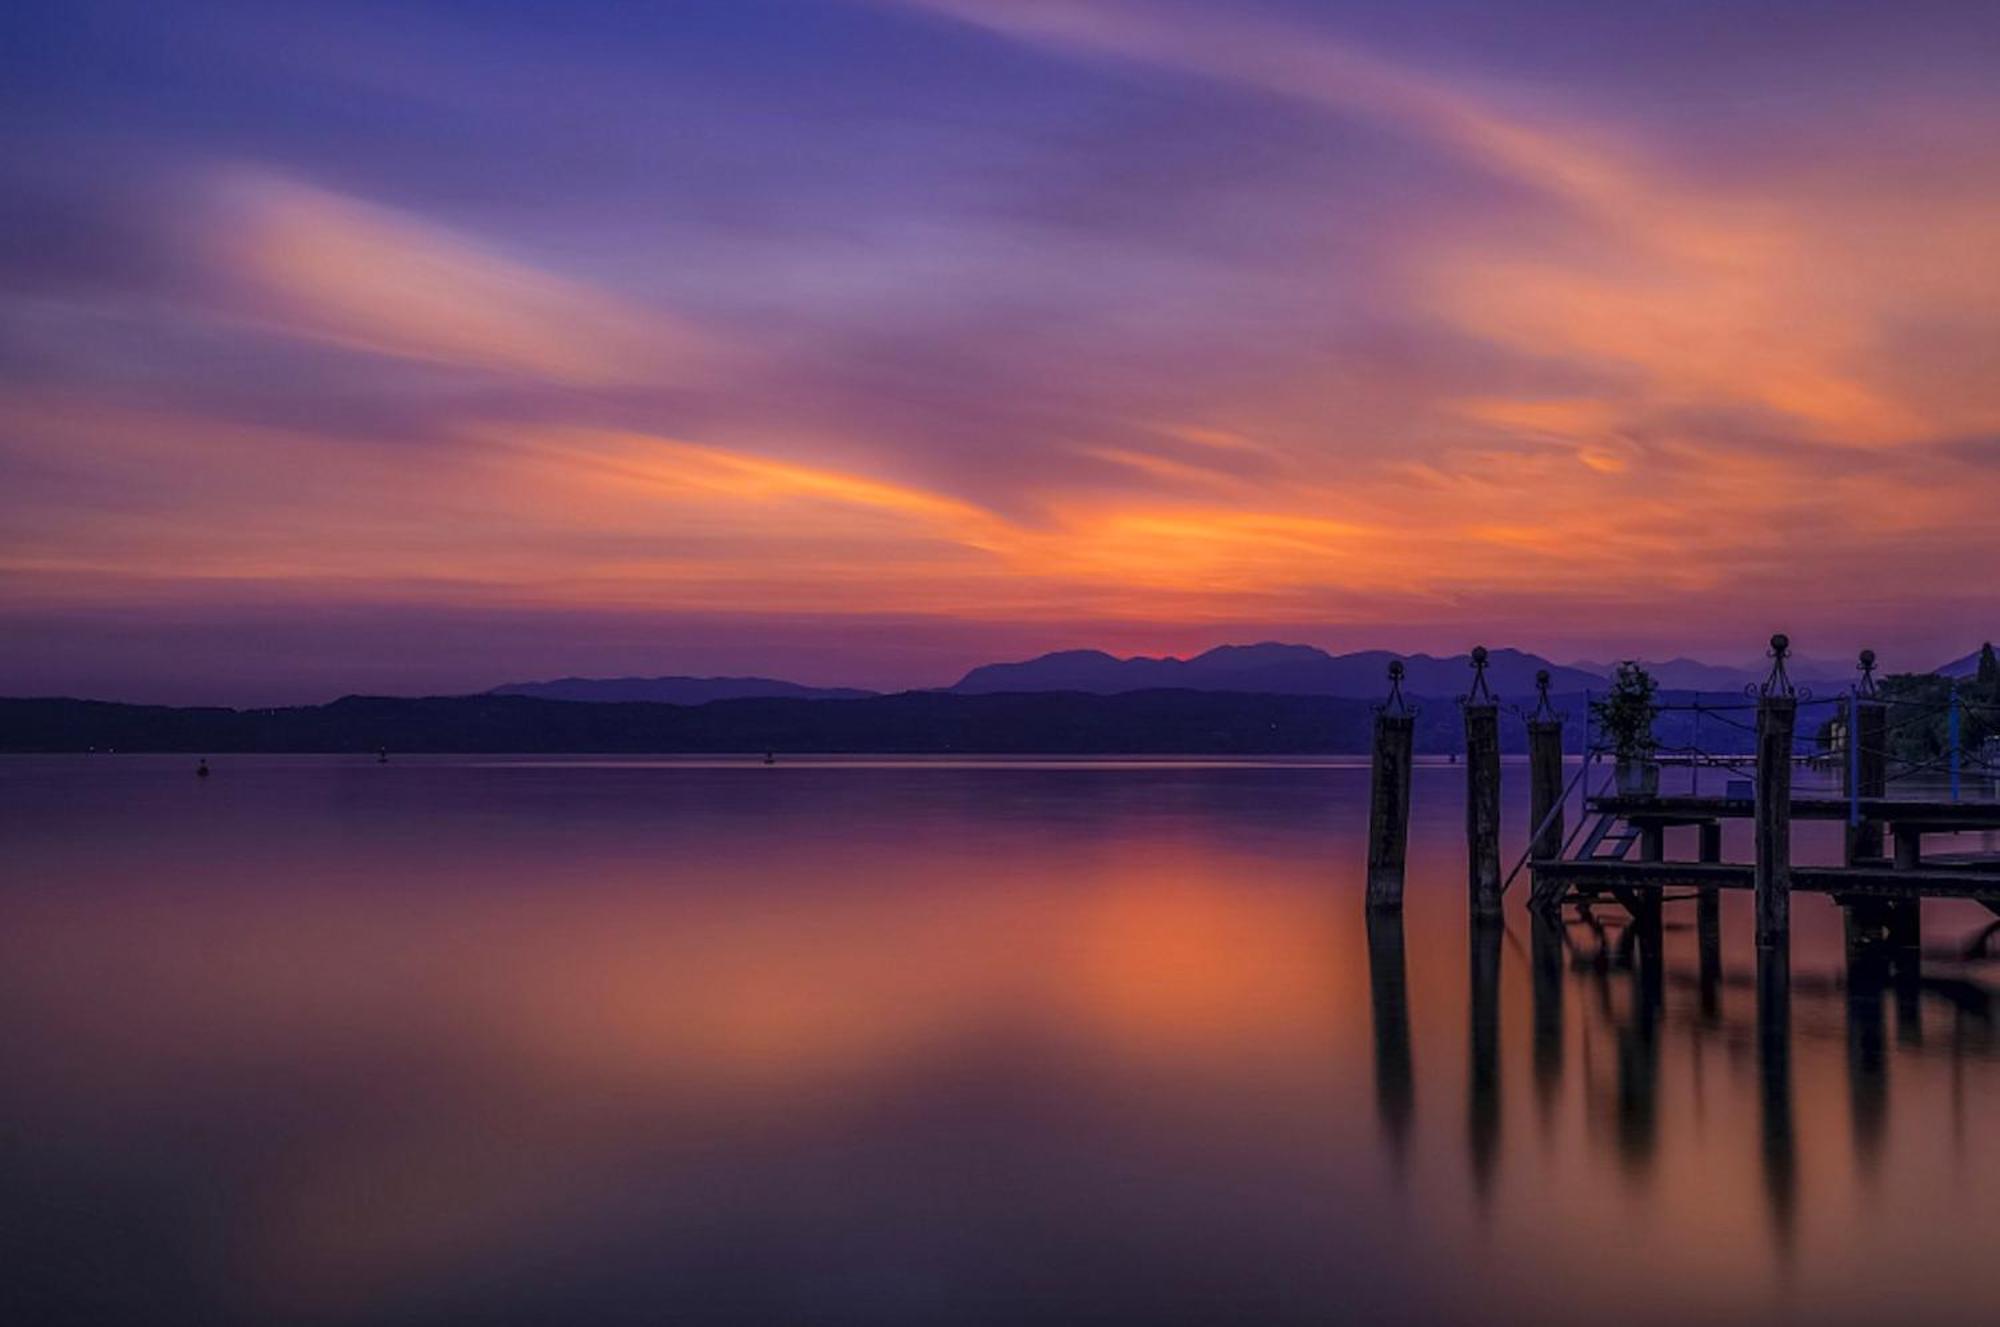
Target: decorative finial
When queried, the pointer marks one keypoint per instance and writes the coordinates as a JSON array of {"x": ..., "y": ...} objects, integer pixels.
[
  {"x": 1867, "y": 667},
  {"x": 1481, "y": 694},
  {"x": 1779, "y": 683},
  {"x": 1395, "y": 704},
  {"x": 1544, "y": 712}
]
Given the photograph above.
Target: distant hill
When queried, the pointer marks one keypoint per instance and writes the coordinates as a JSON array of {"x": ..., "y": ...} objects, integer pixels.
[
  {"x": 673, "y": 690},
  {"x": 1270, "y": 668},
  {"x": 1966, "y": 667},
  {"x": 1684, "y": 674}
]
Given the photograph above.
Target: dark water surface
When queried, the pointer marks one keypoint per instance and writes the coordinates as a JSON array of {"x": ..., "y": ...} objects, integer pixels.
[{"x": 448, "y": 1041}]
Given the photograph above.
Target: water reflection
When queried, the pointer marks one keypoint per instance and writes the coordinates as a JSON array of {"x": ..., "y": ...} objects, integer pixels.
[
  {"x": 1614, "y": 972},
  {"x": 1483, "y": 1046},
  {"x": 485, "y": 1041},
  {"x": 1774, "y": 1083},
  {"x": 1548, "y": 949},
  {"x": 1395, "y": 1081}
]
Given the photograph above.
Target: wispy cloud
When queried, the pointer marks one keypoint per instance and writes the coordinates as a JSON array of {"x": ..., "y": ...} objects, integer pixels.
[
  {"x": 1702, "y": 295},
  {"x": 323, "y": 265}
]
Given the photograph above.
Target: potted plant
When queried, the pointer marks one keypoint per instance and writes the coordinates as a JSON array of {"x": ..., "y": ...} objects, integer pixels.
[{"x": 1625, "y": 717}]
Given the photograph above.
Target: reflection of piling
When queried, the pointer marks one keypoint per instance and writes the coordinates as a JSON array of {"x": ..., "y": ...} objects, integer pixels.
[
  {"x": 1395, "y": 1083},
  {"x": 1639, "y": 1052},
  {"x": 1546, "y": 955},
  {"x": 1907, "y": 983},
  {"x": 1867, "y": 1054},
  {"x": 1774, "y": 1075},
  {"x": 1482, "y": 792},
  {"x": 1708, "y": 951},
  {"x": 1708, "y": 926},
  {"x": 1389, "y": 796},
  {"x": 1777, "y": 715},
  {"x": 1483, "y": 1092},
  {"x": 1545, "y": 789}
]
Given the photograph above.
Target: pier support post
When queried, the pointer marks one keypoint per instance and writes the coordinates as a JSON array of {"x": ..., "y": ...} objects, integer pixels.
[
  {"x": 1389, "y": 797},
  {"x": 1711, "y": 841},
  {"x": 1545, "y": 789},
  {"x": 1777, "y": 716},
  {"x": 1868, "y": 731},
  {"x": 1482, "y": 793},
  {"x": 1874, "y": 924},
  {"x": 1645, "y": 902}
]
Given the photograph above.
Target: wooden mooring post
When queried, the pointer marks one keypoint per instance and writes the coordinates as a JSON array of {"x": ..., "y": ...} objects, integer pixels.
[
  {"x": 1896, "y": 922},
  {"x": 1482, "y": 793},
  {"x": 1777, "y": 716},
  {"x": 1545, "y": 789},
  {"x": 1389, "y": 796},
  {"x": 1867, "y": 766}
]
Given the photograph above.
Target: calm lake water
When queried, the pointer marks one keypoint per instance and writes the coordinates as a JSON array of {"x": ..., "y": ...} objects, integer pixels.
[{"x": 577, "y": 1041}]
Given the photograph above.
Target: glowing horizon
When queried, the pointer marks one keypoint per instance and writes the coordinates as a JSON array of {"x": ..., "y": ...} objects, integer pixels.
[{"x": 862, "y": 341}]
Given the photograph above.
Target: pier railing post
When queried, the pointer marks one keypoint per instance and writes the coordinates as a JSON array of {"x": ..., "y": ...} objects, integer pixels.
[
  {"x": 1777, "y": 717},
  {"x": 1482, "y": 793},
  {"x": 1389, "y": 796}
]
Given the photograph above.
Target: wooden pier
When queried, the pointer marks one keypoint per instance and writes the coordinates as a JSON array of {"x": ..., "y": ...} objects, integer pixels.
[
  {"x": 1882, "y": 881},
  {"x": 1883, "y": 894}
]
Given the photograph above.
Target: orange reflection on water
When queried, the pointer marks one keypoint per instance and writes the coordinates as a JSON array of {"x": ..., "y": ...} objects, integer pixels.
[{"x": 501, "y": 1025}]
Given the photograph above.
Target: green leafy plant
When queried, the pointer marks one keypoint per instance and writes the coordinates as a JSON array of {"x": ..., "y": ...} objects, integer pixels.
[{"x": 1625, "y": 716}]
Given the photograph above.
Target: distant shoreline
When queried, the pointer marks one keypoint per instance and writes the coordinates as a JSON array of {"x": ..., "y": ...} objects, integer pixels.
[{"x": 1159, "y": 724}]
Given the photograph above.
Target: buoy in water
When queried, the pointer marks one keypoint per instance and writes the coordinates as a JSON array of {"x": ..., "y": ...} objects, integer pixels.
[
  {"x": 201, "y": 770},
  {"x": 382, "y": 755},
  {"x": 770, "y": 757}
]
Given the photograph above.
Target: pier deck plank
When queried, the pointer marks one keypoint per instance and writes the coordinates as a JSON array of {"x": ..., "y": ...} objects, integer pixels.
[
  {"x": 1930, "y": 817},
  {"x": 1872, "y": 881}
]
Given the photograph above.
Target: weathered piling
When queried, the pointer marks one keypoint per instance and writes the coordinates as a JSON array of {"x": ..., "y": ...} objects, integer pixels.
[
  {"x": 1482, "y": 793},
  {"x": 1777, "y": 716},
  {"x": 1868, "y": 762},
  {"x": 1545, "y": 788},
  {"x": 1389, "y": 796}
]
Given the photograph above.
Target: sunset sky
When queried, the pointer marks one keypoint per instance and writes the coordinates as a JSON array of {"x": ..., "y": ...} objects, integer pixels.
[{"x": 424, "y": 347}]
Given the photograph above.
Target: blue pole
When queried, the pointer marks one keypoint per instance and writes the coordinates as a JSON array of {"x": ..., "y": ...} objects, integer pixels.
[{"x": 1954, "y": 741}]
